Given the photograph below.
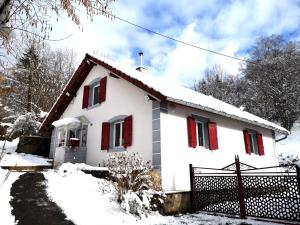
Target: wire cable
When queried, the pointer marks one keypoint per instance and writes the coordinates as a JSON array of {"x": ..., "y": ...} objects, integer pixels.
[{"x": 180, "y": 41}]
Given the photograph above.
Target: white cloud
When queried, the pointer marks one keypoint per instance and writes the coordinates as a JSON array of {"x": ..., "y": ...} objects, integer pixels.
[{"x": 229, "y": 27}]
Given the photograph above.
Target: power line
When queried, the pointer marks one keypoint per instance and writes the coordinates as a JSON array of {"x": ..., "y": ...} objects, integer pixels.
[
  {"x": 180, "y": 41},
  {"x": 186, "y": 43}
]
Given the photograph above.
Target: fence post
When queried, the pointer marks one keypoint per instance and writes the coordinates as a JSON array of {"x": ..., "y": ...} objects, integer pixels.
[
  {"x": 298, "y": 177},
  {"x": 192, "y": 187},
  {"x": 240, "y": 188}
]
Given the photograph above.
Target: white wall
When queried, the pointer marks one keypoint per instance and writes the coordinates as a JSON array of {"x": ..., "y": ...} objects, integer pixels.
[
  {"x": 176, "y": 155},
  {"x": 122, "y": 98}
]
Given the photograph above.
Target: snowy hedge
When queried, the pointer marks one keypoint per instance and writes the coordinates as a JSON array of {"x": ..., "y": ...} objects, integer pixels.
[{"x": 289, "y": 159}]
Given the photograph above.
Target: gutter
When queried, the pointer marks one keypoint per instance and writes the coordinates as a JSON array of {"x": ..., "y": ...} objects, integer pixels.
[{"x": 281, "y": 139}]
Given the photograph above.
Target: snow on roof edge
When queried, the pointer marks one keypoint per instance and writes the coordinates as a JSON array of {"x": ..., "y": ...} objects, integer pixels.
[
  {"x": 253, "y": 119},
  {"x": 271, "y": 127}
]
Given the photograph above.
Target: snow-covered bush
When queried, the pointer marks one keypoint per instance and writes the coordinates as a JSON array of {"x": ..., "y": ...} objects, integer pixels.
[
  {"x": 129, "y": 172},
  {"x": 133, "y": 183},
  {"x": 143, "y": 202},
  {"x": 26, "y": 124},
  {"x": 289, "y": 159}
]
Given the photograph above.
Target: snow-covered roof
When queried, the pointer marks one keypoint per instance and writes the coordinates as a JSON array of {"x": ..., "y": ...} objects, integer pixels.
[
  {"x": 184, "y": 96},
  {"x": 157, "y": 87},
  {"x": 66, "y": 122}
]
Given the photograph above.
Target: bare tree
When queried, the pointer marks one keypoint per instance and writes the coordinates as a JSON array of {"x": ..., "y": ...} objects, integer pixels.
[
  {"x": 38, "y": 78},
  {"x": 273, "y": 83},
  {"x": 23, "y": 18},
  {"x": 221, "y": 85}
]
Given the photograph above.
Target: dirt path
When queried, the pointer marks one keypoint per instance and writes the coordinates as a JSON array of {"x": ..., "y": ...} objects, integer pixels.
[{"x": 31, "y": 204}]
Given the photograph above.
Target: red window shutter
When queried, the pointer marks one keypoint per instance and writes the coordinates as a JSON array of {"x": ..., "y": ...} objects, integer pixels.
[
  {"x": 102, "y": 91},
  {"x": 85, "y": 99},
  {"x": 191, "y": 128},
  {"x": 213, "y": 136},
  {"x": 105, "y": 136},
  {"x": 127, "y": 132},
  {"x": 247, "y": 142},
  {"x": 260, "y": 144}
]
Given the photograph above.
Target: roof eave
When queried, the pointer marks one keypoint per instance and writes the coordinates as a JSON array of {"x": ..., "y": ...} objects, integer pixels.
[
  {"x": 282, "y": 131},
  {"x": 63, "y": 100}
]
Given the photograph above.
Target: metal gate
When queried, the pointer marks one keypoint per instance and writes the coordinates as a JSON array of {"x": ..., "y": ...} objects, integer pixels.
[{"x": 241, "y": 189}]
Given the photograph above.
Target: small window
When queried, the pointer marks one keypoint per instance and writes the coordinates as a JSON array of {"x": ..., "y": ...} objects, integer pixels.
[
  {"x": 118, "y": 134},
  {"x": 96, "y": 95},
  {"x": 200, "y": 133},
  {"x": 253, "y": 141}
]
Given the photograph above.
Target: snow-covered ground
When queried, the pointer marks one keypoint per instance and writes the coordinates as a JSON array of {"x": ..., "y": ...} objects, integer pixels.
[
  {"x": 22, "y": 159},
  {"x": 11, "y": 158},
  {"x": 88, "y": 200},
  {"x": 9, "y": 146},
  {"x": 6, "y": 217}
]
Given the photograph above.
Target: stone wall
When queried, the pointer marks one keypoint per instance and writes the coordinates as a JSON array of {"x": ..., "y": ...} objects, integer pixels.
[
  {"x": 35, "y": 145},
  {"x": 177, "y": 203}
]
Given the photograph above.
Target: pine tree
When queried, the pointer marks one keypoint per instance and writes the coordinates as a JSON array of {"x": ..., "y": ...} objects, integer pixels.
[{"x": 26, "y": 81}]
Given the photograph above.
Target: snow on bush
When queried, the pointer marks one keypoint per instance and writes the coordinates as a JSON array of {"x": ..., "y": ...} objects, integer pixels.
[
  {"x": 289, "y": 159},
  {"x": 129, "y": 171},
  {"x": 26, "y": 124},
  {"x": 133, "y": 183},
  {"x": 141, "y": 203}
]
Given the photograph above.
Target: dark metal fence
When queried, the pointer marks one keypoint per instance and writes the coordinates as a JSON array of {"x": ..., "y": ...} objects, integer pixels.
[{"x": 240, "y": 189}]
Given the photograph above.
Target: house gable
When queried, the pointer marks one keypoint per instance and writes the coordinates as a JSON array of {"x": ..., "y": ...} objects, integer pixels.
[{"x": 77, "y": 80}]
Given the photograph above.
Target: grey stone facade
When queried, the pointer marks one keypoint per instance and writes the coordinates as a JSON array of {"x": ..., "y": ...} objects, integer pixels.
[{"x": 157, "y": 108}]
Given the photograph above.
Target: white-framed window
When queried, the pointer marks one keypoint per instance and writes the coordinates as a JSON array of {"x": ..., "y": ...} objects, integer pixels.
[
  {"x": 95, "y": 94},
  {"x": 118, "y": 134},
  {"x": 200, "y": 133}
]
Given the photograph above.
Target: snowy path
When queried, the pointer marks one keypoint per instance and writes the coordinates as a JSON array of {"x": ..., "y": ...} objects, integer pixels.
[
  {"x": 5, "y": 185},
  {"x": 31, "y": 204}
]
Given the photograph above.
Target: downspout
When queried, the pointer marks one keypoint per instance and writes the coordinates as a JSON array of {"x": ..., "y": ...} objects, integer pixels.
[{"x": 280, "y": 139}]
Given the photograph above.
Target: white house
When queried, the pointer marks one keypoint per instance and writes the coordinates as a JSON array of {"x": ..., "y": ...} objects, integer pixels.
[{"x": 107, "y": 108}]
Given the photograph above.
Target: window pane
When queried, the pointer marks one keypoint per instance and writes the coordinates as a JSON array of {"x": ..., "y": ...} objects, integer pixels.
[
  {"x": 200, "y": 134},
  {"x": 72, "y": 134},
  {"x": 61, "y": 136},
  {"x": 83, "y": 137},
  {"x": 253, "y": 142},
  {"x": 117, "y": 134},
  {"x": 96, "y": 95}
]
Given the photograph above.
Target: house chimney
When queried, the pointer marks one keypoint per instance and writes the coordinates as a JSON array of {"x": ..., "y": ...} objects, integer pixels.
[{"x": 140, "y": 67}]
